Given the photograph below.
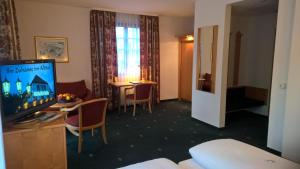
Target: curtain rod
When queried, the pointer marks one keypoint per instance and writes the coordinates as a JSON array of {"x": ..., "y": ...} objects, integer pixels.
[{"x": 122, "y": 11}]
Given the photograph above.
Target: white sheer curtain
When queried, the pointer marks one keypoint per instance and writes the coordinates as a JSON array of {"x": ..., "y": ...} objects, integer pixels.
[{"x": 128, "y": 47}]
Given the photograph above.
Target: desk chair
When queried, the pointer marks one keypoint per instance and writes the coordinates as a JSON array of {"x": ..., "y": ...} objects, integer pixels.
[
  {"x": 91, "y": 115},
  {"x": 141, "y": 94},
  {"x": 206, "y": 86}
]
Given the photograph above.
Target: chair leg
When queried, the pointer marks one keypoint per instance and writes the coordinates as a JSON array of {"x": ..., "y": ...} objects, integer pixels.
[
  {"x": 149, "y": 106},
  {"x": 144, "y": 106},
  {"x": 79, "y": 142},
  {"x": 125, "y": 105},
  {"x": 104, "y": 134},
  {"x": 134, "y": 107},
  {"x": 93, "y": 132}
]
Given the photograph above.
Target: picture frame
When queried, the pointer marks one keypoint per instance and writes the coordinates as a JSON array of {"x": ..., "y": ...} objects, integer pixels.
[{"x": 52, "y": 48}]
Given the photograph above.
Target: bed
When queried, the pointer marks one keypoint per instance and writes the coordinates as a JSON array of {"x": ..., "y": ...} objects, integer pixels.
[
  {"x": 189, "y": 164},
  {"x": 160, "y": 163},
  {"x": 222, "y": 154}
]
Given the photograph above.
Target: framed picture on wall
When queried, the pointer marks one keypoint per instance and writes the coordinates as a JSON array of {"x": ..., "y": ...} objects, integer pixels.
[{"x": 52, "y": 48}]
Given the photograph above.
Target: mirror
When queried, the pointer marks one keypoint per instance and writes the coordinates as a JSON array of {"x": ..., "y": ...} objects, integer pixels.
[{"x": 206, "y": 58}]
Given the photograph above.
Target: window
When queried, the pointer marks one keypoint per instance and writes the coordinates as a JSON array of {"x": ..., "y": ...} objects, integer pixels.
[{"x": 128, "y": 51}]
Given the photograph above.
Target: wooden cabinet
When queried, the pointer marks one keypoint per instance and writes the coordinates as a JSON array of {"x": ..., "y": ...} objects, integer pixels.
[{"x": 41, "y": 147}]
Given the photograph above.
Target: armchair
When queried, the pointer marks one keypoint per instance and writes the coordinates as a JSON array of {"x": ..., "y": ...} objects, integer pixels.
[
  {"x": 91, "y": 115},
  {"x": 78, "y": 88}
]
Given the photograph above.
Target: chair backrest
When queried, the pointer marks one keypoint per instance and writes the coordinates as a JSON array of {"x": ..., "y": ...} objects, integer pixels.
[
  {"x": 142, "y": 91},
  {"x": 207, "y": 82},
  {"x": 77, "y": 88},
  {"x": 92, "y": 112}
]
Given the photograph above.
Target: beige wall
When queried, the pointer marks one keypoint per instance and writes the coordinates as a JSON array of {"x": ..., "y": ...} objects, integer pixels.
[
  {"x": 257, "y": 51},
  {"x": 291, "y": 134},
  {"x": 210, "y": 107},
  {"x": 283, "y": 134},
  {"x": 43, "y": 19},
  {"x": 280, "y": 73},
  {"x": 171, "y": 28}
]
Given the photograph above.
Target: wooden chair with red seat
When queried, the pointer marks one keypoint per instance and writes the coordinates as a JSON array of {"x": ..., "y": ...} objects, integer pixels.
[
  {"x": 141, "y": 94},
  {"x": 91, "y": 115},
  {"x": 206, "y": 86}
]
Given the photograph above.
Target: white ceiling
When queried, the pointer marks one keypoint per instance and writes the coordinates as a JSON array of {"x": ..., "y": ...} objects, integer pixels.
[
  {"x": 255, "y": 7},
  {"x": 150, "y": 7}
]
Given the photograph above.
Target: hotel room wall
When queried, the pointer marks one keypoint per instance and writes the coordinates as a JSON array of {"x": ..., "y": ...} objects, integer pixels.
[
  {"x": 171, "y": 28},
  {"x": 291, "y": 134},
  {"x": 210, "y": 107},
  {"x": 257, "y": 51},
  {"x": 280, "y": 74},
  {"x": 46, "y": 19},
  {"x": 284, "y": 110}
]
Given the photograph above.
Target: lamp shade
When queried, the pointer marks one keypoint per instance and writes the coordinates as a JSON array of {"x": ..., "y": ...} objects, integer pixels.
[
  {"x": 19, "y": 86},
  {"x": 6, "y": 87}
]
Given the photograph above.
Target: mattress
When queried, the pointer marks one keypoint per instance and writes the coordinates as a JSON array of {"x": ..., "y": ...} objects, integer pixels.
[
  {"x": 189, "y": 164},
  {"x": 160, "y": 163}
]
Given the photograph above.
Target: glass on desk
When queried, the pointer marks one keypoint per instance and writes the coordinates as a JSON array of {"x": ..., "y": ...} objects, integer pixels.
[{"x": 116, "y": 79}]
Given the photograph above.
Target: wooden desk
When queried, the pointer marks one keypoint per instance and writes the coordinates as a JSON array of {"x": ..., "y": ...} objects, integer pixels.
[
  {"x": 119, "y": 85},
  {"x": 41, "y": 147}
]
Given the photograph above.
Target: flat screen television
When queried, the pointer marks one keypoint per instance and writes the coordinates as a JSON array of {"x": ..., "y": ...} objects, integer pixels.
[{"x": 27, "y": 86}]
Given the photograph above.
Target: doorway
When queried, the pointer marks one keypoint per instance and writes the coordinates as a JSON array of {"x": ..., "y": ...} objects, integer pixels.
[
  {"x": 185, "y": 67},
  {"x": 250, "y": 60}
]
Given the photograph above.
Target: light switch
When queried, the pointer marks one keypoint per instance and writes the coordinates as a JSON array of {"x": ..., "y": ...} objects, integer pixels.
[{"x": 282, "y": 86}]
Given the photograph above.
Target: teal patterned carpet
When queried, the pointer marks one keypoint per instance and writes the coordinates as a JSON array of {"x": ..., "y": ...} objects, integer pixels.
[{"x": 168, "y": 132}]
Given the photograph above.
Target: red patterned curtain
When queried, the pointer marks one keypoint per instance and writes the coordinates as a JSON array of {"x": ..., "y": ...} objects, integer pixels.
[
  {"x": 103, "y": 51},
  {"x": 149, "y": 41},
  {"x": 9, "y": 38}
]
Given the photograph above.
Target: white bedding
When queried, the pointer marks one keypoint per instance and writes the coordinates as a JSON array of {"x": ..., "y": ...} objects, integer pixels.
[
  {"x": 232, "y": 154},
  {"x": 160, "y": 163},
  {"x": 189, "y": 164},
  {"x": 221, "y": 154}
]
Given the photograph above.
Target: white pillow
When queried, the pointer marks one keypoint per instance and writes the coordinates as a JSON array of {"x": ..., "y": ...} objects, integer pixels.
[
  {"x": 232, "y": 154},
  {"x": 160, "y": 163}
]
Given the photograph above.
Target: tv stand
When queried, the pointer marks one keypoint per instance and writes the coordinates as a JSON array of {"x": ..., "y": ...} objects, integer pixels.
[
  {"x": 41, "y": 145},
  {"x": 40, "y": 116},
  {"x": 27, "y": 119}
]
